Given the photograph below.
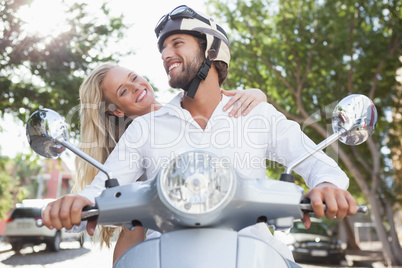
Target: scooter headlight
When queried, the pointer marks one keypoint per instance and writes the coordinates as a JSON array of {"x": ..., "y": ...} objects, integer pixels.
[{"x": 196, "y": 182}]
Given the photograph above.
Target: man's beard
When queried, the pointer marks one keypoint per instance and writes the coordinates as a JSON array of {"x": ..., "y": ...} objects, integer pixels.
[{"x": 188, "y": 72}]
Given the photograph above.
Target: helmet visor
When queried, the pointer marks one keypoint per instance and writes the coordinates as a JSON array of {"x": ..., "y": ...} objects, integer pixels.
[{"x": 179, "y": 12}]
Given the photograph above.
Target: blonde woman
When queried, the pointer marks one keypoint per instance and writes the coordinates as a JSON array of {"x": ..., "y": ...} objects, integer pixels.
[{"x": 106, "y": 111}]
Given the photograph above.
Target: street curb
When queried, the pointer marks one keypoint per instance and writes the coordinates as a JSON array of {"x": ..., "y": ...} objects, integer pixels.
[
  {"x": 369, "y": 258},
  {"x": 5, "y": 247}
]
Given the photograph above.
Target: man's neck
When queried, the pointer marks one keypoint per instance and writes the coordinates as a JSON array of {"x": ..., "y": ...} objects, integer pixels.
[{"x": 205, "y": 101}]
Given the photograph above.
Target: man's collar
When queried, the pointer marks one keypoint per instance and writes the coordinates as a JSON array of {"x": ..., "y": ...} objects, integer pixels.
[{"x": 174, "y": 106}]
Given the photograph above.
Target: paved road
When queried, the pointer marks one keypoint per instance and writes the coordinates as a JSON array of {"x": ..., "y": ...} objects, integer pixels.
[
  {"x": 91, "y": 255},
  {"x": 71, "y": 256}
]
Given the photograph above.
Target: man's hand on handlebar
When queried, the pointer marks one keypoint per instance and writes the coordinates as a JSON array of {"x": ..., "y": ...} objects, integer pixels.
[
  {"x": 339, "y": 203},
  {"x": 66, "y": 212}
]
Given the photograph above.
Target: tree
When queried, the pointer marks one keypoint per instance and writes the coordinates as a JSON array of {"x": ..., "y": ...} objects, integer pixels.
[
  {"x": 42, "y": 71},
  {"x": 7, "y": 184},
  {"x": 51, "y": 69},
  {"x": 308, "y": 54},
  {"x": 16, "y": 180}
]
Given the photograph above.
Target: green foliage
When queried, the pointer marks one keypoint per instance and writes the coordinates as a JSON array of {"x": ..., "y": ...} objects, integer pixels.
[
  {"x": 16, "y": 177},
  {"x": 307, "y": 55},
  {"x": 39, "y": 71},
  {"x": 6, "y": 187},
  {"x": 42, "y": 71}
]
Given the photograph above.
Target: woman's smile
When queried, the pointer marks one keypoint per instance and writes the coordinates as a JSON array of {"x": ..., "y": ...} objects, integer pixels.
[{"x": 142, "y": 95}]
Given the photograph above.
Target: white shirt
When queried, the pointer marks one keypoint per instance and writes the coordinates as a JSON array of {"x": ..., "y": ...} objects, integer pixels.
[{"x": 153, "y": 139}]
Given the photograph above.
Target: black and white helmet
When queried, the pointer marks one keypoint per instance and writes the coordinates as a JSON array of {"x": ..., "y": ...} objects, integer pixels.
[{"x": 185, "y": 20}]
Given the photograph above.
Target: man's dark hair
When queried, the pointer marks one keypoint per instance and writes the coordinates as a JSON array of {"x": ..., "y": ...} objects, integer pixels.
[{"x": 221, "y": 67}]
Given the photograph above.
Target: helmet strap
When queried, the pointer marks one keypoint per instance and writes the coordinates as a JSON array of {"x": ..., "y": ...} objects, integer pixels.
[
  {"x": 201, "y": 75},
  {"x": 203, "y": 71}
]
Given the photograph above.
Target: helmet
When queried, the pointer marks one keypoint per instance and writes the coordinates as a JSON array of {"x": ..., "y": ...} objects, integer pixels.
[{"x": 185, "y": 20}]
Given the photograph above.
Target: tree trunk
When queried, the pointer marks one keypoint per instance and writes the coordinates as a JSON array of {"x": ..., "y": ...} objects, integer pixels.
[
  {"x": 396, "y": 246},
  {"x": 351, "y": 241},
  {"x": 370, "y": 190},
  {"x": 390, "y": 257}
]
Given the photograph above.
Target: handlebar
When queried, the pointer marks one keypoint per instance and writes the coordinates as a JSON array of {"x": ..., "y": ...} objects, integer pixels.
[
  {"x": 92, "y": 212},
  {"x": 307, "y": 208},
  {"x": 88, "y": 213}
]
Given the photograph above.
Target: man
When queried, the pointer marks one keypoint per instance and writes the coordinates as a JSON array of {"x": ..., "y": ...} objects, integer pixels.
[
  {"x": 181, "y": 35},
  {"x": 195, "y": 54}
]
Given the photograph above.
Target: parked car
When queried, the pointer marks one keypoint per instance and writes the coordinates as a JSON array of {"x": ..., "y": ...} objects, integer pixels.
[
  {"x": 314, "y": 244},
  {"x": 21, "y": 229}
]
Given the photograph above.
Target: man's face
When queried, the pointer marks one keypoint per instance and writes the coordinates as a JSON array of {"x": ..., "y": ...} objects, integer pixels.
[{"x": 182, "y": 58}]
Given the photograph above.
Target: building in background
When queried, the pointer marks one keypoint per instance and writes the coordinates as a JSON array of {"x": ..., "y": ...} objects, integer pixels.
[{"x": 56, "y": 180}]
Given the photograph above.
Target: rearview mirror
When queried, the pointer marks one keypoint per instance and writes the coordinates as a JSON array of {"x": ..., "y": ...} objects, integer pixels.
[
  {"x": 47, "y": 134},
  {"x": 356, "y": 114},
  {"x": 353, "y": 121},
  {"x": 45, "y": 129}
]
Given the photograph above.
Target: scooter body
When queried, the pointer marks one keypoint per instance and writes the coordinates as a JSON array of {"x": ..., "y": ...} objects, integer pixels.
[
  {"x": 199, "y": 211},
  {"x": 208, "y": 240},
  {"x": 200, "y": 248}
]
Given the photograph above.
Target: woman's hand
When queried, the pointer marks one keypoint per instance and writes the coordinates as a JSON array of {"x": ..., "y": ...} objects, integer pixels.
[{"x": 243, "y": 101}]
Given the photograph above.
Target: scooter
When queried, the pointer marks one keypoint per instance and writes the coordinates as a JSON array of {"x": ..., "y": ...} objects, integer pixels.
[{"x": 199, "y": 203}]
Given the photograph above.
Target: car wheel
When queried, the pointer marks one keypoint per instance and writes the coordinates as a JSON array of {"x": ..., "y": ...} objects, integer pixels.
[
  {"x": 81, "y": 240},
  {"x": 344, "y": 262},
  {"x": 54, "y": 244},
  {"x": 16, "y": 247}
]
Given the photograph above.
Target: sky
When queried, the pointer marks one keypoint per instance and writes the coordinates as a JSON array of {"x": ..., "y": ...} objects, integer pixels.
[
  {"x": 143, "y": 15},
  {"x": 141, "y": 37}
]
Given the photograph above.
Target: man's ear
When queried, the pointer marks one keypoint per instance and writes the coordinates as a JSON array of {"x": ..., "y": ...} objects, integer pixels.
[{"x": 116, "y": 112}]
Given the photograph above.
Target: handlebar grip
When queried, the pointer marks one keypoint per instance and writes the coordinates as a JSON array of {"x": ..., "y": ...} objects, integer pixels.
[
  {"x": 306, "y": 207},
  {"x": 88, "y": 213}
]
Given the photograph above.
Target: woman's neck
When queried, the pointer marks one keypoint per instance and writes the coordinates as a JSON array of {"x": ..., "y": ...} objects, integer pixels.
[{"x": 156, "y": 106}]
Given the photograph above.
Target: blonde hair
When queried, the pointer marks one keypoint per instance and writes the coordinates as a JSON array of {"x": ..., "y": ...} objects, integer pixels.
[{"x": 100, "y": 132}]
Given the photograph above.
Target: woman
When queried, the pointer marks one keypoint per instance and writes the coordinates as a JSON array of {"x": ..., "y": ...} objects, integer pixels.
[{"x": 110, "y": 100}]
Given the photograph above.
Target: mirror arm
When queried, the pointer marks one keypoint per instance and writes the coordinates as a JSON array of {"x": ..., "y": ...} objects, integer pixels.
[
  {"x": 325, "y": 143},
  {"x": 89, "y": 160}
]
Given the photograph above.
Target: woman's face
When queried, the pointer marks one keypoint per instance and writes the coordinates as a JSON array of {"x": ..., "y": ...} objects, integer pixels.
[{"x": 130, "y": 93}]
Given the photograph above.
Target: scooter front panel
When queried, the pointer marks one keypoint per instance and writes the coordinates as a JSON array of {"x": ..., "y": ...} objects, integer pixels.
[
  {"x": 199, "y": 248},
  {"x": 254, "y": 253},
  {"x": 145, "y": 254}
]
